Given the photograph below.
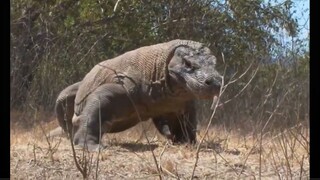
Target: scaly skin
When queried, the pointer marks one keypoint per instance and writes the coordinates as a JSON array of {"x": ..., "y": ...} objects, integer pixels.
[{"x": 117, "y": 94}]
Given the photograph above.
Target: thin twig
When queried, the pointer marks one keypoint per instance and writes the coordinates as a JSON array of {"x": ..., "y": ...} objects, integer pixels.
[
  {"x": 100, "y": 137},
  {"x": 116, "y": 5},
  {"x": 92, "y": 48},
  {"x": 140, "y": 120},
  {"x": 216, "y": 101},
  {"x": 246, "y": 85},
  {"x": 145, "y": 134},
  {"x": 262, "y": 130}
]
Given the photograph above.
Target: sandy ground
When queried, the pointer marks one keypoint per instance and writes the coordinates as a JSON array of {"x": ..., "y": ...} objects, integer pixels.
[{"x": 222, "y": 155}]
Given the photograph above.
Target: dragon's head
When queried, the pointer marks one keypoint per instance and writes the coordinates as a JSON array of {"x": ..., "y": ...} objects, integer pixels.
[{"x": 194, "y": 70}]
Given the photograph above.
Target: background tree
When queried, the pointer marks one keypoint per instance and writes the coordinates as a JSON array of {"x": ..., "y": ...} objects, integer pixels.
[{"x": 55, "y": 43}]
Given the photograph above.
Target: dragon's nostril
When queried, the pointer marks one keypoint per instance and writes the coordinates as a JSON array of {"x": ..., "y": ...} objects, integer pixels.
[
  {"x": 208, "y": 81},
  {"x": 214, "y": 82}
]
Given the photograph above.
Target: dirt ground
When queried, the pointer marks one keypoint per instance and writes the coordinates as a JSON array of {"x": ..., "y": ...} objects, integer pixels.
[{"x": 222, "y": 155}]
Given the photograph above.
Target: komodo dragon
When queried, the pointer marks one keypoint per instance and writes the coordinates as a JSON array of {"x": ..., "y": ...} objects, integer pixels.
[{"x": 160, "y": 81}]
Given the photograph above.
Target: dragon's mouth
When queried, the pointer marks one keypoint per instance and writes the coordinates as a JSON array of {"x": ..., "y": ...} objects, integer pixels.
[
  {"x": 206, "y": 93},
  {"x": 197, "y": 88},
  {"x": 202, "y": 90}
]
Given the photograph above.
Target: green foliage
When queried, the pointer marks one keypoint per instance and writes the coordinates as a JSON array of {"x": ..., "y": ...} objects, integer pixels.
[{"x": 55, "y": 43}]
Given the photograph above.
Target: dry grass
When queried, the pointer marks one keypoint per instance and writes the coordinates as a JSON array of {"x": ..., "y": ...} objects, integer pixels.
[{"x": 223, "y": 155}]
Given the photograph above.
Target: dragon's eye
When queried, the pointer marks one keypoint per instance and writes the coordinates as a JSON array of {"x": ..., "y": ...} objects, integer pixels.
[{"x": 188, "y": 64}]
